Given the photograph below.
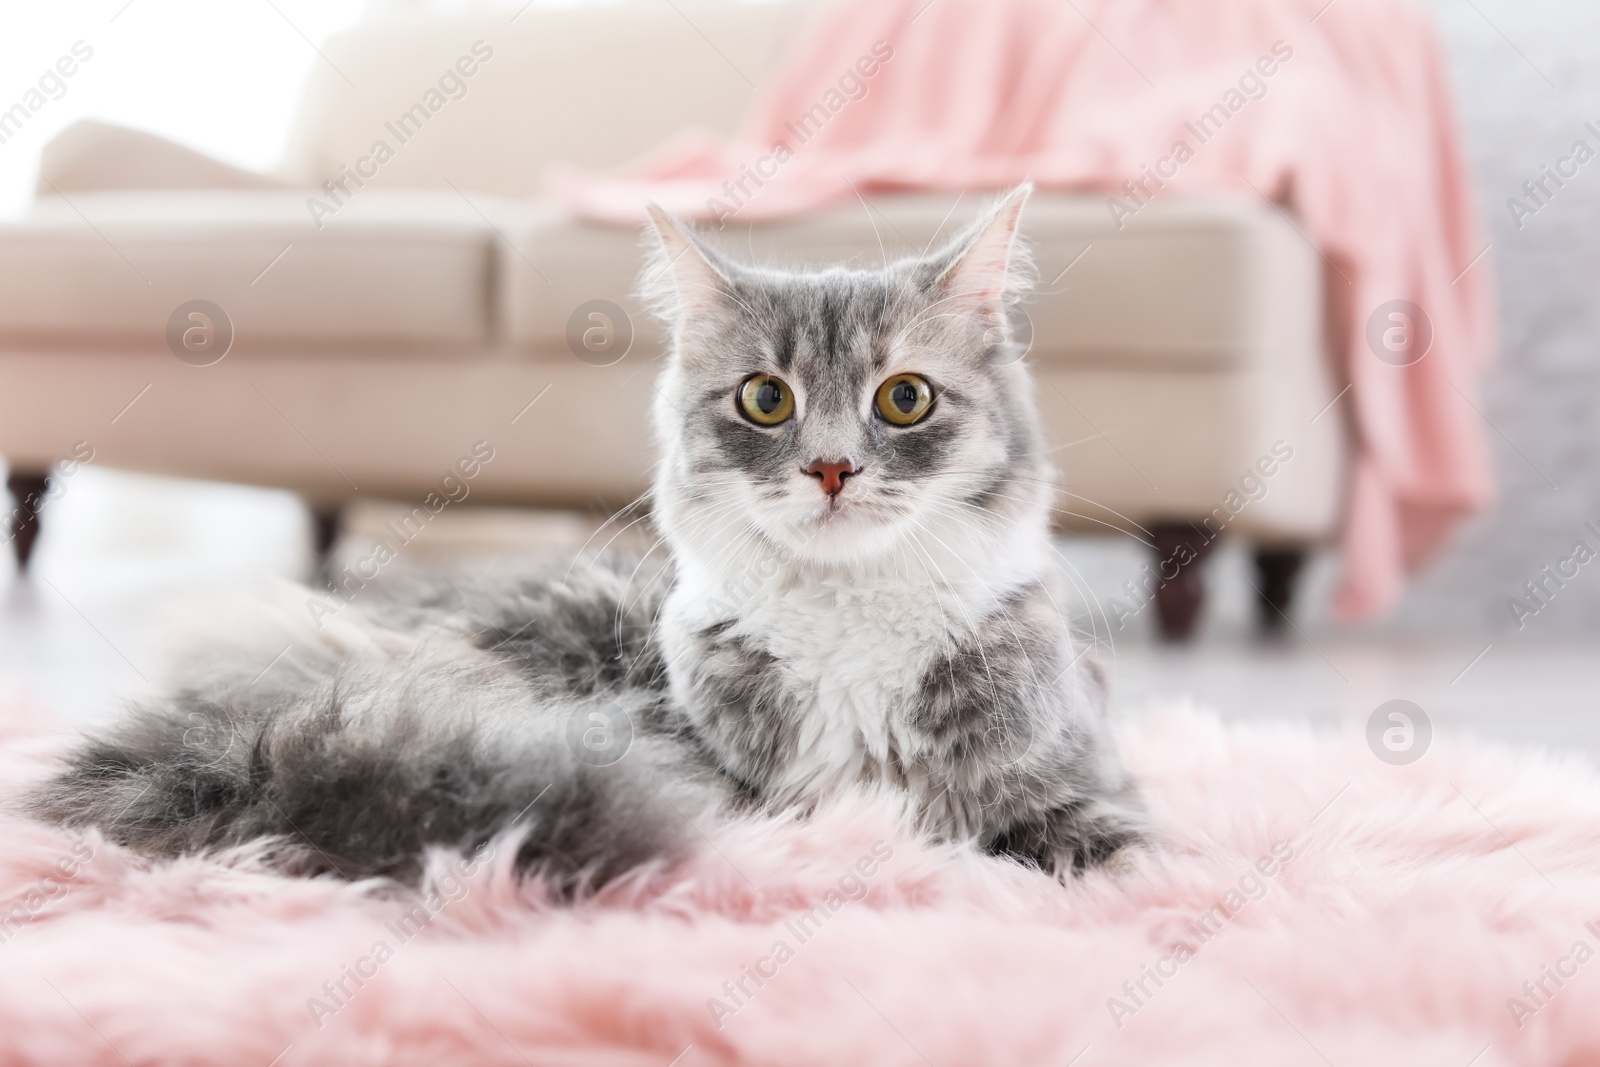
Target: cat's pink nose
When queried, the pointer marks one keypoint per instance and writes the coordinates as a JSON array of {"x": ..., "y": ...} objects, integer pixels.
[{"x": 832, "y": 475}]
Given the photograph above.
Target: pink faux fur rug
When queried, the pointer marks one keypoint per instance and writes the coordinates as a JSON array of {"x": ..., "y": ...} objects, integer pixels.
[{"x": 1312, "y": 905}]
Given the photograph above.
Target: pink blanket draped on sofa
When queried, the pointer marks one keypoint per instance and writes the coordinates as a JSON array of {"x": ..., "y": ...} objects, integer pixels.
[{"x": 1339, "y": 113}]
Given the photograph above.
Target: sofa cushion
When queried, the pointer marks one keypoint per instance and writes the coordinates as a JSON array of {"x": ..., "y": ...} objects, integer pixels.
[
  {"x": 505, "y": 93},
  {"x": 92, "y": 155},
  {"x": 394, "y": 270},
  {"x": 1186, "y": 285}
]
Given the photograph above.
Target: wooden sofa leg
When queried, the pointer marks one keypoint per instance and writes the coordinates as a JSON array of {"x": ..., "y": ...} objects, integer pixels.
[
  {"x": 1276, "y": 572},
  {"x": 28, "y": 490},
  {"x": 325, "y": 523},
  {"x": 1181, "y": 549}
]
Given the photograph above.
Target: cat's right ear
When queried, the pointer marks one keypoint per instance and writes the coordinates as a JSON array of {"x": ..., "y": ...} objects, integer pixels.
[{"x": 683, "y": 277}]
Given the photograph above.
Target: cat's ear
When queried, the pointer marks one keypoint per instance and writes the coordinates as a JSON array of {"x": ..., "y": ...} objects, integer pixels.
[
  {"x": 987, "y": 265},
  {"x": 683, "y": 276}
]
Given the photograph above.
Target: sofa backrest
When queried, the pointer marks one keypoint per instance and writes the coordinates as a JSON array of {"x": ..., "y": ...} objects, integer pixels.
[{"x": 485, "y": 101}]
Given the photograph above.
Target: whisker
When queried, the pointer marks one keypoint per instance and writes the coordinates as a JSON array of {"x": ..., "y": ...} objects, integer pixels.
[{"x": 635, "y": 502}]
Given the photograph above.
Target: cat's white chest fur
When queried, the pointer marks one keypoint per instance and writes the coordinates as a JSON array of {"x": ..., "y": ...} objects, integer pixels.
[
  {"x": 851, "y": 654},
  {"x": 853, "y": 659}
]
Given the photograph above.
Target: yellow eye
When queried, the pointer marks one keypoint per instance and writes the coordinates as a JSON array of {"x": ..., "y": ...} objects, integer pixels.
[
  {"x": 905, "y": 399},
  {"x": 766, "y": 400}
]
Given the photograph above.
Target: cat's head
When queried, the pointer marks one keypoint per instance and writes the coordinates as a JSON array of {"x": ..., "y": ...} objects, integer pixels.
[{"x": 845, "y": 414}]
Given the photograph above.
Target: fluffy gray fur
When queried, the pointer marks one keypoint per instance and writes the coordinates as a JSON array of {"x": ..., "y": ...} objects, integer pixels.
[{"x": 900, "y": 634}]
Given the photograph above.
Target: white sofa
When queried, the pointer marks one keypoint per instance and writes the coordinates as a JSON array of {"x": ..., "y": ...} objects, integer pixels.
[{"x": 373, "y": 346}]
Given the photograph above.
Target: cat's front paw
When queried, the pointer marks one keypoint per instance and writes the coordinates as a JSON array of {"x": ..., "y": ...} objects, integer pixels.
[{"x": 1069, "y": 840}]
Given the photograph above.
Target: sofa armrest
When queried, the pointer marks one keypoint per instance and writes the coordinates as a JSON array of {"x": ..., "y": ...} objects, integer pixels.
[{"x": 91, "y": 155}]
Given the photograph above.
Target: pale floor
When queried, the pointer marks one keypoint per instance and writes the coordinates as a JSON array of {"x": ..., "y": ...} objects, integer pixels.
[{"x": 77, "y": 636}]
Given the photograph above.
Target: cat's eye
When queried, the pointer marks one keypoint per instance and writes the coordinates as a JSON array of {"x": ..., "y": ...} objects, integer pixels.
[
  {"x": 765, "y": 400},
  {"x": 905, "y": 399}
]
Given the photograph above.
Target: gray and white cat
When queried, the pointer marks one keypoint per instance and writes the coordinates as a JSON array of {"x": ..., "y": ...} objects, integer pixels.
[{"x": 860, "y": 594}]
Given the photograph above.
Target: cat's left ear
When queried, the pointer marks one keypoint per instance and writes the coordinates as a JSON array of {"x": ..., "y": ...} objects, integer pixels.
[
  {"x": 987, "y": 265},
  {"x": 682, "y": 276}
]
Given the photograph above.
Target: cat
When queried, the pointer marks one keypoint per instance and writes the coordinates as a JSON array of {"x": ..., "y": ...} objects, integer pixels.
[{"x": 858, "y": 594}]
